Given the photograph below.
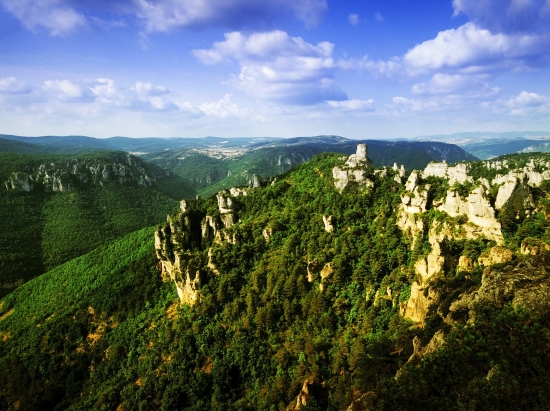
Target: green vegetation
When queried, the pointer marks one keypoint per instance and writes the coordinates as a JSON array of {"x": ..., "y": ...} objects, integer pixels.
[
  {"x": 104, "y": 331},
  {"x": 42, "y": 229}
]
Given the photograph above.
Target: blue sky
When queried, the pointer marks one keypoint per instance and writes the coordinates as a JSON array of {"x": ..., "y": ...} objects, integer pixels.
[{"x": 192, "y": 68}]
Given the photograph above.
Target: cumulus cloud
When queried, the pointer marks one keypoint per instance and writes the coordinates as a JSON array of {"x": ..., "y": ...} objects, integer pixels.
[
  {"x": 469, "y": 50},
  {"x": 62, "y": 17},
  {"x": 63, "y": 89},
  {"x": 275, "y": 66},
  {"x": 224, "y": 108},
  {"x": 525, "y": 103},
  {"x": 507, "y": 16}
]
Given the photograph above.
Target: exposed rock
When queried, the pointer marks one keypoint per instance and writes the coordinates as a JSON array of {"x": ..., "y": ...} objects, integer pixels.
[
  {"x": 533, "y": 246},
  {"x": 268, "y": 233},
  {"x": 328, "y": 221},
  {"x": 465, "y": 263},
  {"x": 495, "y": 255},
  {"x": 354, "y": 173},
  {"x": 366, "y": 402},
  {"x": 419, "y": 302},
  {"x": 19, "y": 181},
  {"x": 303, "y": 396},
  {"x": 326, "y": 272},
  {"x": 436, "y": 342},
  {"x": 238, "y": 191},
  {"x": 62, "y": 177},
  {"x": 526, "y": 285},
  {"x": 455, "y": 174},
  {"x": 256, "y": 181},
  {"x": 477, "y": 209},
  {"x": 515, "y": 191},
  {"x": 209, "y": 228}
]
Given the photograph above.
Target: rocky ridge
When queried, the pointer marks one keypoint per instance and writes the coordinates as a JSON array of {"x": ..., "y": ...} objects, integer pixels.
[
  {"x": 475, "y": 217},
  {"x": 65, "y": 176}
]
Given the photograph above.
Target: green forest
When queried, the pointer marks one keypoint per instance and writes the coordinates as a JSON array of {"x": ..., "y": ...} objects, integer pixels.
[{"x": 295, "y": 314}]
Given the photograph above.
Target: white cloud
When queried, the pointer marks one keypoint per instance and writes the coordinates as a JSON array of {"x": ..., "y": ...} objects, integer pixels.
[
  {"x": 63, "y": 89},
  {"x": 275, "y": 66},
  {"x": 378, "y": 17},
  {"x": 63, "y": 17},
  {"x": 469, "y": 50},
  {"x": 58, "y": 17},
  {"x": 224, "y": 108},
  {"x": 470, "y": 86},
  {"x": 10, "y": 85},
  {"x": 523, "y": 104},
  {"x": 354, "y": 19},
  {"x": 508, "y": 16},
  {"x": 167, "y": 15},
  {"x": 353, "y": 105}
]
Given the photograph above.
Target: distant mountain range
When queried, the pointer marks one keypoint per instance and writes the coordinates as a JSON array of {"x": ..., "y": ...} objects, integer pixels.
[
  {"x": 210, "y": 164},
  {"x": 488, "y": 145}
]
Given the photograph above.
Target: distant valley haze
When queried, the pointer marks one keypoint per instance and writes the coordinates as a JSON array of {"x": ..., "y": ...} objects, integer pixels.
[{"x": 363, "y": 70}]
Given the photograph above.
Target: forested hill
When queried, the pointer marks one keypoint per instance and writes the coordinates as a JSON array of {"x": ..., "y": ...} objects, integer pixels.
[
  {"x": 54, "y": 208},
  {"x": 337, "y": 286}
]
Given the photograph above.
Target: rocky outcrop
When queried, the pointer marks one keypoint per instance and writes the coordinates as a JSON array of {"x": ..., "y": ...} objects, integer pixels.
[
  {"x": 190, "y": 230},
  {"x": 533, "y": 246},
  {"x": 328, "y": 221},
  {"x": 455, "y": 174},
  {"x": 495, "y": 255},
  {"x": 62, "y": 177},
  {"x": 478, "y": 210},
  {"x": 515, "y": 192},
  {"x": 526, "y": 284},
  {"x": 19, "y": 181},
  {"x": 353, "y": 174}
]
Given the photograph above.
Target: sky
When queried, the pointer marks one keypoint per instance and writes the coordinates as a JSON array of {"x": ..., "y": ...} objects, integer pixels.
[{"x": 281, "y": 68}]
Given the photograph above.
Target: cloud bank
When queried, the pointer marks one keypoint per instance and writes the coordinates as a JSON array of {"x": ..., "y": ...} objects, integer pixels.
[
  {"x": 276, "y": 66},
  {"x": 63, "y": 17}
]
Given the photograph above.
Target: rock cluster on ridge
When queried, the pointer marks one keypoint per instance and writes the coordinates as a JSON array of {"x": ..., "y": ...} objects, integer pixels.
[
  {"x": 62, "y": 177},
  {"x": 354, "y": 173}
]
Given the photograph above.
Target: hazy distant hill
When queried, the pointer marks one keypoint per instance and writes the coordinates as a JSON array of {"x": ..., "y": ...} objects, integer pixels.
[
  {"x": 487, "y": 145},
  {"x": 210, "y": 164},
  {"x": 212, "y": 170},
  {"x": 144, "y": 145}
]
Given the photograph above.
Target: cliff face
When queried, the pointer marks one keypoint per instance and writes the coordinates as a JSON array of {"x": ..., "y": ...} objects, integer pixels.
[
  {"x": 474, "y": 216},
  {"x": 191, "y": 230},
  {"x": 65, "y": 176}
]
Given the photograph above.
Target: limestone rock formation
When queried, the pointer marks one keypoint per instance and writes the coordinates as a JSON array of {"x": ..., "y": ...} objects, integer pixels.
[
  {"x": 328, "y": 221},
  {"x": 533, "y": 246},
  {"x": 477, "y": 208},
  {"x": 515, "y": 191},
  {"x": 495, "y": 255},
  {"x": 527, "y": 284},
  {"x": 190, "y": 230},
  {"x": 19, "y": 181},
  {"x": 62, "y": 177},
  {"x": 455, "y": 174},
  {"x": 353, "y": 174}
]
